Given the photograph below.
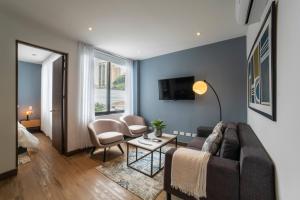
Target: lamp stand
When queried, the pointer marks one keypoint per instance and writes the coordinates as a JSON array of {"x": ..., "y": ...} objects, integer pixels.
[{"x": 217, "y": 98}]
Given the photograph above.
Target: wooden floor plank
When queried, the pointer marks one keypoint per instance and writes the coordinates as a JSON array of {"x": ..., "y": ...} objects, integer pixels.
[{"x": 55, "y": 177}]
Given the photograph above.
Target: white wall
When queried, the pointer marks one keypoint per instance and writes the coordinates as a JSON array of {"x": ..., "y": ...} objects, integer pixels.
[
  {"x": 282, "y": 138},
  {"x": 13, "y": 28}
]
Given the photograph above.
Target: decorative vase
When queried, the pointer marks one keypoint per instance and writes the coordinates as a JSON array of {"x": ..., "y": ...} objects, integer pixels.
[{"x": 158, "y": 132}]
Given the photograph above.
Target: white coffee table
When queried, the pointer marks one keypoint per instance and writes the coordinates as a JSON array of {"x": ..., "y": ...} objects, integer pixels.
[{"x": 151, "y": 146}]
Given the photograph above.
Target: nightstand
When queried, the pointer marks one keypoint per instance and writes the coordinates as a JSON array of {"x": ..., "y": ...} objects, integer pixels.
[{"x": 32, "y": 125}]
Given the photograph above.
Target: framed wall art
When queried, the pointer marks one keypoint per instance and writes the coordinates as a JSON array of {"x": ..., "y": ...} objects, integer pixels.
[{"x": 262, "y": 68}]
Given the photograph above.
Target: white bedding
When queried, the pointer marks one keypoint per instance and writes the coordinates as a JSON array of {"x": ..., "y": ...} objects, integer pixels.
[{"x": 26, "y": 139}]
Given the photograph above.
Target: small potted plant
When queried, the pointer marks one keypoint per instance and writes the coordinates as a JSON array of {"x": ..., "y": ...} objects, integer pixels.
[{"x": 158, "y": 125}]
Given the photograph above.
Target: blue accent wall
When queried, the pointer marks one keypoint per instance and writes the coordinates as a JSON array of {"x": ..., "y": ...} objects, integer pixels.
[
  {"x": 223, "y": 64},
  {"x": 29, "y": 89}
]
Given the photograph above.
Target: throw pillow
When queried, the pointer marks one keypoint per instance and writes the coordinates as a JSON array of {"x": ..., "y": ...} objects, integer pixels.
[
  {"x": 212, "y": 142},
  {"x": 219, "y": 127},
  {"x": 230, "y": 147}
]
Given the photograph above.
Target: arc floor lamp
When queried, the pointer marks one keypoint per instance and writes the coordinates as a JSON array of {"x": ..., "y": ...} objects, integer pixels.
[{"x": 200, "y": 87}]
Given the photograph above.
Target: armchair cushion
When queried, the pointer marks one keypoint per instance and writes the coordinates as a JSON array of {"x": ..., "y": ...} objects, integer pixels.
[
  {"x": 132, "y": 120},
  {"x": 137, "y": 129},
  {"x": 109, "y": 137}
]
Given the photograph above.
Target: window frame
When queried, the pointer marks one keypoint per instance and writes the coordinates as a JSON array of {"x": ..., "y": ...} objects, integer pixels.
[{"x": 108, "y": 93}]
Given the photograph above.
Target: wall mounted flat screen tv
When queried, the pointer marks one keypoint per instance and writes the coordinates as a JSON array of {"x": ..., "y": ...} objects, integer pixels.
[{"x": 176, "y": 88}]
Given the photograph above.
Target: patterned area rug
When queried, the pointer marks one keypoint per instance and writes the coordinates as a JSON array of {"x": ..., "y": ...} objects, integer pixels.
[{"x": 141, "y": 185}]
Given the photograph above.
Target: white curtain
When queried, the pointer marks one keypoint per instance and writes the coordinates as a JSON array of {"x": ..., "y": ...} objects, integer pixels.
[
  {"x": 46, "y": 94},
  {"x": 129, "y": 87},
  {"x": 86, "y": 105}
]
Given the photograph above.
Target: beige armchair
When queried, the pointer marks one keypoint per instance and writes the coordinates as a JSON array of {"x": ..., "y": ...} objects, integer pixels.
[
  {"x": 105, "y": 133},
  {"x": 134, "y": 125}
]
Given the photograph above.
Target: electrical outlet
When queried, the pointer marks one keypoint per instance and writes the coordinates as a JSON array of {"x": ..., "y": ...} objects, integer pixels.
[
  {"x": 188, "y": 134},
  {"x": 175, "y": 132},
  {"x": 194, "y": 134},
  {"x": 181, "y": 133}
]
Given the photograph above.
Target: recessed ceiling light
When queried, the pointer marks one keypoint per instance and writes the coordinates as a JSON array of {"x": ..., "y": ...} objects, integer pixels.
[
  {"x": 33, "y": 54},
  {"x": 90, "y": 28},
  {"x": 198, "y": 33}
]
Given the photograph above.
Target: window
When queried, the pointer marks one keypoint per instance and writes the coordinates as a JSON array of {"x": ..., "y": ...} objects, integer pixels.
[{"x": 109, "y": 81}]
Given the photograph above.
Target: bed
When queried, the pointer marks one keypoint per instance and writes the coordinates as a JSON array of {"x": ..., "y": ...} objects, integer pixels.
[{"x": 26, "y": 139}]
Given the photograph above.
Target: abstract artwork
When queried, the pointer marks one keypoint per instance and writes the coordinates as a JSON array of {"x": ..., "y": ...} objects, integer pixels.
[{"x": 261, "y": 69}]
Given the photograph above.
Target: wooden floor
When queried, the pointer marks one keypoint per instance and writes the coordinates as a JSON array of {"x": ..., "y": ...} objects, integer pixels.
[{"x": 52, "y": 176}]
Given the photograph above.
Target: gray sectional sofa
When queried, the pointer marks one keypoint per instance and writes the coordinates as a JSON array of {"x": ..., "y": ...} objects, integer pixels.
[{"x": 241, "y": 170}]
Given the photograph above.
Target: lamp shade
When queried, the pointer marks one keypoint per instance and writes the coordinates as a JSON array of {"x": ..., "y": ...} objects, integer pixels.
[{"x": 200, "y": 87}]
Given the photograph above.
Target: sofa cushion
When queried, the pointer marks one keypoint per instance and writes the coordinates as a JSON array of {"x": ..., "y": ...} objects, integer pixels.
[
  {"x": 230, "y": 147},
  {"x": 196, "y": 143},
  {"x": 213, "y": 141},
  {"x": 231, "y": 125},
  {"x": 137, "y": 129},
  {"x": 110, "y": 137}
]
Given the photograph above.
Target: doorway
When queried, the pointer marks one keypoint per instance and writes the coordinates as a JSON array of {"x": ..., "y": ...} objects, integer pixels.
[{"x": 41, "y": 95}]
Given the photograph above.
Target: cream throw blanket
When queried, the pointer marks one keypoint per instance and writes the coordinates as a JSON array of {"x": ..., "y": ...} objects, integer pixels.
[{"x": 189, "y": 169}]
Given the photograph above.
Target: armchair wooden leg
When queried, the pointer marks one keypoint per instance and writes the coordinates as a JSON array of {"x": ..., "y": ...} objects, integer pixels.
[
  {"x": 168, "y": 196},
  {"x": 104, "y": 157},
  {"x": 120, "y": 147}
]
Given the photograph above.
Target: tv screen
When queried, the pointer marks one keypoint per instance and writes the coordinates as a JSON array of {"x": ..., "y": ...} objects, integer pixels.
[{"x": 176, "y": 88}]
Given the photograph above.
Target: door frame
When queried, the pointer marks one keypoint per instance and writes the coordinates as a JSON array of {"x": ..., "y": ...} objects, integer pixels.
[{"x": 65, "y": 95}]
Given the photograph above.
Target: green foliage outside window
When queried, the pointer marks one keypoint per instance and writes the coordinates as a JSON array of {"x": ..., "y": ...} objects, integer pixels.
[
  {"x": 119, "y": 83},
  {"x": 99, "y": 107}
]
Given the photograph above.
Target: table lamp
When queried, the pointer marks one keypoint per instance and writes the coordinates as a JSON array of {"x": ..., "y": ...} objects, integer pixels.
[{"x": 28, "y": 112}]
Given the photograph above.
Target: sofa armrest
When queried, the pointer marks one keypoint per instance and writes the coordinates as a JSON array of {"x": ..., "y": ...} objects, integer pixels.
[
  {"x": 222, "y": 178},
  {"x": 168, "y": 168},
  {"x": 203, "y": 131}
]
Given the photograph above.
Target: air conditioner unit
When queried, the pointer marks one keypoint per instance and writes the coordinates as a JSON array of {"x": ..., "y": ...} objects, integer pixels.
[{"x": 249, "y": 11}]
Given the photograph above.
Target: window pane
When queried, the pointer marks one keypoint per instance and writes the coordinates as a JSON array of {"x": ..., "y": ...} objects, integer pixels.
[
  {"x": 117, "y": 84},
  {"x": 100, "y": 82}
]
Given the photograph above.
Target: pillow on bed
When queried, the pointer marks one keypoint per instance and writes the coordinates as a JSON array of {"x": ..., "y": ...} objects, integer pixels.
[
  {"x": 21, "y": 125},
  {"x": 26, "y": 139}
]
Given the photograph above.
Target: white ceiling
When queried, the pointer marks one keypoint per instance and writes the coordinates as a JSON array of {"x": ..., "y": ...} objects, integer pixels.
[
  {"x": 135, "y": 29},
  {"x": 31, "y": 54}
]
